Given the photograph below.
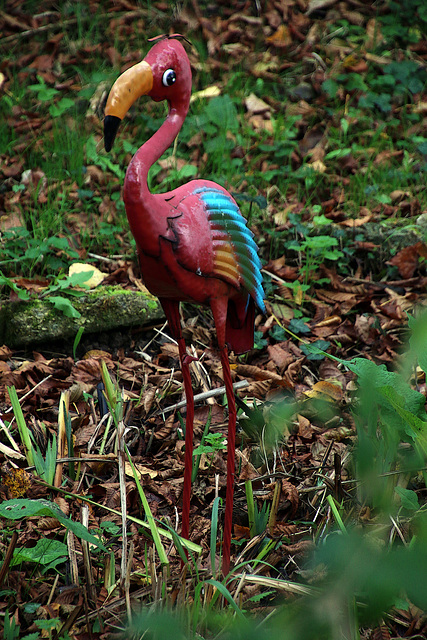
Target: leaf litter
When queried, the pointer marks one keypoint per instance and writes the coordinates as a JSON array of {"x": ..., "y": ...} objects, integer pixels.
[{"x": 362, "y": 313}]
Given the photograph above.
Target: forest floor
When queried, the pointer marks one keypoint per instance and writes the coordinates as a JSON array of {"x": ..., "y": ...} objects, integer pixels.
[{"x": 313, "y": 115}]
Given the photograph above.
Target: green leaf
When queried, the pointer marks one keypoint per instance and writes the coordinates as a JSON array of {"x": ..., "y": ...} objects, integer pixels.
[
  {"x": 21, "y": 293},
  {"x": 63, "y": 105},
  {"x": 44, "y": 552},
  {"x": 187, "y": 171},
  {"x": 47, "y": 624},
  {"x": 374, "y": 376},
  {"x": 355, "y": 82},
  {"x": 331, "y": 87},
  {"x": 259, "y": 341},
  {"x": 23, "y": 508},
  {"x": 222, "y": 112},
  {"x": 297, "y": 325},
  {"x": 408, "y": 499},
  {"x": 278, "y": 333},
  {"x": 320, "y": 242},
  {"x": 417, "y": 341},
  {"x": 64, "y": 305},
  {"x": 315, "y": 350}
]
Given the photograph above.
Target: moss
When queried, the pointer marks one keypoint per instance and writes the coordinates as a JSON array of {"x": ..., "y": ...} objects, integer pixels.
[{"x": 103, "y": 309}]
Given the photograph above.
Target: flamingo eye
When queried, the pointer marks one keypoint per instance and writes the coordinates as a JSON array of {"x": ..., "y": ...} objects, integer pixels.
[{"x": 169, "y": 77}]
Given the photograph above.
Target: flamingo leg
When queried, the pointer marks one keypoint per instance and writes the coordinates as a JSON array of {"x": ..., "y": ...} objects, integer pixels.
[
  {"x": 219, "y": 310},
  {"x": 171, "y": 310},
  {"x": 231, "y": 449}
]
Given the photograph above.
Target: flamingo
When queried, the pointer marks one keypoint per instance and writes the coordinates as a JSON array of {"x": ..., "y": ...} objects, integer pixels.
[{"x": 193, "y": 243}]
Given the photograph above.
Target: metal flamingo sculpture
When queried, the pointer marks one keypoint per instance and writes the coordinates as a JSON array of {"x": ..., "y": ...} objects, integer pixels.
[{"x": 193, "y": 243}]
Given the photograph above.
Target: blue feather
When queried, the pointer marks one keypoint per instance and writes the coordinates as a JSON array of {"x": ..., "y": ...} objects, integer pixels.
[{"x": 224, "y": 216}]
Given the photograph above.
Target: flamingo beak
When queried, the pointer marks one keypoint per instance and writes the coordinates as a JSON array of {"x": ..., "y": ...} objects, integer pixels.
[{"x": 133, "y": 83}]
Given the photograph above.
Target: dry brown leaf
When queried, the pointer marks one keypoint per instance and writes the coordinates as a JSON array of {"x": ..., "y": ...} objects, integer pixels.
[
  {"x": 259, "y": 122},
  {"x": 290, "y": 493},
  {"x": 141, "y": 470},
  {"x": 281, "y": 37},
  {"x": 305, "y": 430},
  {"x": 280, "y": 356},
  {"x": 356, "y": 222},
  {"x": 251, "y": 371},
  {"x": 406, "y": 260},
  {"x": 256, "y": 106}
]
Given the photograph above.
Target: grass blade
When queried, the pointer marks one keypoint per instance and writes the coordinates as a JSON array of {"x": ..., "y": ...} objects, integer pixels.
[
  {"x": 214, "y": 533},
  {"x": 150, "y": 518},
  {"x": 22, "y": 426},
  {"x": 251, "y": 507}
]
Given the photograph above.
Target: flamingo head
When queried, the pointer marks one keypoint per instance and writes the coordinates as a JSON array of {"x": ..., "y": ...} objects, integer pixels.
[{"x": 164, "y": 74}]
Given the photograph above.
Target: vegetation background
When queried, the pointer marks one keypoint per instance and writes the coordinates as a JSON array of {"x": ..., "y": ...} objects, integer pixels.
[{"x": 313, "y": 114}]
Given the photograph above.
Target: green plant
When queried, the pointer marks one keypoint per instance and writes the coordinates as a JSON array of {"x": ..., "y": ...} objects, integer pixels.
[
  {"x": 405, "y": 21},
  {"x": 313, "y": 251},
  {"x": 46, "y": 467},
  {"x": 25, "y": 254},
  {"x": 11, "y": 628},
  {"x": 23, "y": 508},
  {"x": 46, "y": 94},
  {"x": 24, "y": 432},
  {"x": 210, "y": 444},
  {"x": 63, "y": 285}
]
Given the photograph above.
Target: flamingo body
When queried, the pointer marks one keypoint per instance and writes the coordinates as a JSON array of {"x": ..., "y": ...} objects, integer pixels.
[{"x": 193, "y": 243}]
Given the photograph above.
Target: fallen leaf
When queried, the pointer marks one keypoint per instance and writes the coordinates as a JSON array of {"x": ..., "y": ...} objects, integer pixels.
[
  {"x": 209, "y": 92},
  {"x": 255, "y": 105},
  {"x": 281, "y": 37},
  {"x": 305, "y": 430},
  {"x": 95, "y": 279},
  {"x": 356, "y": 222},
  {"x": 324, "y": 388},
  {"x": 141, "y": 469},
  {"x": 318, "y": 166},
  {"x": 406, "y": 260},
  {"x": 261, "y": 124}
]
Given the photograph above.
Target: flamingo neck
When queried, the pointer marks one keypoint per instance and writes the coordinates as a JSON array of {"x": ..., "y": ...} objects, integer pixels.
[{"x": 153, "y": 149}]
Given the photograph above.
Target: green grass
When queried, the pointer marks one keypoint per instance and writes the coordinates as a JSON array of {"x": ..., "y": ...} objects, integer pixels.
[{"x": 364, "y": 126}]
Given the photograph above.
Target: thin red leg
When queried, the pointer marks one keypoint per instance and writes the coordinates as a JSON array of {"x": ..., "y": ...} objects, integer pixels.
[
  {"x": 171, "y": 310},
  {"x": 219, "y": 308},
  {"x": 189, "y": 420},
  {"x": 231, "y": 451}
]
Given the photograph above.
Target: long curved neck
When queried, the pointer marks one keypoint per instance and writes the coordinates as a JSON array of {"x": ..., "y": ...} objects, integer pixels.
[
  {"x": 147, "y": 218},
  {"x": 152, "y": 150}
]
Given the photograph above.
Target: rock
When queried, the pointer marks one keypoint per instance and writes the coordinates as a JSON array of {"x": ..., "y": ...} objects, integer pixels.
[{"x": 37, "y": 321}]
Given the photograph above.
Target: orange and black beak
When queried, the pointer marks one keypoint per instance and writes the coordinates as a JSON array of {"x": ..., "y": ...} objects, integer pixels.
[{"x": 133, "y": 83}]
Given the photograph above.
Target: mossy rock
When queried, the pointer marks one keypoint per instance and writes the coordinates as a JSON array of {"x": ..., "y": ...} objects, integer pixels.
[{"x": 103, "y": 309}]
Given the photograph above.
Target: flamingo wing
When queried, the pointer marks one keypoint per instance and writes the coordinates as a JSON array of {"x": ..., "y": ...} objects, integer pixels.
[
  {"x": 213, "y": 240},
  {"x": 235, "y": 254}
]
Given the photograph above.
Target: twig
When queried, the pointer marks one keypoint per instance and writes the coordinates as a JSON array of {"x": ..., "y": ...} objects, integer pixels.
[
  {"x": 30, "y": 391},
  {"x": 61, "y": 24},
  {"x": 8, "y": 556},
  {"x": 91, "y": 590},
  {"x": 242, "y": 384},
  {"x": 74, "y": 570},
  {"x": 127, "y": 580}
]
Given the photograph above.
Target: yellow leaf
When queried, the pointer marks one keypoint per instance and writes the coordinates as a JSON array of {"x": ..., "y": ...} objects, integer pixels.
[
  {"x": 318, "y": 166},
  {"x": 95, "y": 279},
  {"x": 141, "y": 469},
  {"x": 210, "y": 92}
]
